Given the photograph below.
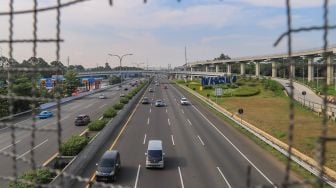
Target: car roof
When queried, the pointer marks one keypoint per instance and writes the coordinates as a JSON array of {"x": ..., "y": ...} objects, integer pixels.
[
  {"x": 110, "y": 154},
  {"x": 154, "y": 145},
  {"x": 81, "y": 115}
]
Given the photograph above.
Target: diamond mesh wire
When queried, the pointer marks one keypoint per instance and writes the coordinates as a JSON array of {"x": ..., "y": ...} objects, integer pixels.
[{"x": 11, "y": 97}]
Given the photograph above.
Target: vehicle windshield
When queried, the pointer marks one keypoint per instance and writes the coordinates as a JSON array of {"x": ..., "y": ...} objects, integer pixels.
[
  {"x": 155, "y": 153},
  {"x": 106, "y": 162}
]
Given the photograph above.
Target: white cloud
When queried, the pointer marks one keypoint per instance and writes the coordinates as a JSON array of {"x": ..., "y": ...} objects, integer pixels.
[{"x": 281, "y": 3}]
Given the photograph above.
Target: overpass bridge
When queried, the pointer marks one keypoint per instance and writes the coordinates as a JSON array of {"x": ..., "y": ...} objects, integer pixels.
[
  {"x": 310, "y": 58},
  {"x": 118, "y": 72}
]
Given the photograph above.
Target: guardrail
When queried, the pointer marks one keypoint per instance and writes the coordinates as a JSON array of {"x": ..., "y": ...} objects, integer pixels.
[
  {"x": 304, "y": 161},
  {"x": 97, "y": 145}
]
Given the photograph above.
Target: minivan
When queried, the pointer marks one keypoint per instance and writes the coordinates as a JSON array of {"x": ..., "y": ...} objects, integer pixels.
[
  {"x": 108, "y": 166},
  {"x": 154, "y": 154}
]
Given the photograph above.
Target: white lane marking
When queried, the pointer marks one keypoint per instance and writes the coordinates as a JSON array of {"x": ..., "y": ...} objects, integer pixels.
[
  {"x": 189, "y": 121},
  {"x": 88, "y": 106},
  {"x": 172, "y": 138},
  {"x": 181, "y": 179},
  {"x": 66, "y": 117},
  {"x": 199, "y": 138},
  {"x": 102, "y": 106},
  {"x": 144, "y": 139},
  {"x": 168, "y": 122},
  {"x": 3, "y": 128},
  {"x": 166, "y": 110},
  {"x": 182, "y": 111},
  {"x": 221, "y": 173},
  {"x": 150, "y": 110},
  {"x": 101, "y": 118},
  {"x": 148, "y": 121},
  {"x": 137, "y": 177},
  {"x": 9, "y": 146},
  {"x": 234, "y": 146},
  {"x": 32, "y": 149}
]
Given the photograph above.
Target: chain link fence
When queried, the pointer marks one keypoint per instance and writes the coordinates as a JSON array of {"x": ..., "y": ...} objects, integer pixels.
[{"x": 10, "y": 71}]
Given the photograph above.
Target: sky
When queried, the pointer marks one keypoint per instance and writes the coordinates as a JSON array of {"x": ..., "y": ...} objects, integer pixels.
[{"x": 156, "y": 33}]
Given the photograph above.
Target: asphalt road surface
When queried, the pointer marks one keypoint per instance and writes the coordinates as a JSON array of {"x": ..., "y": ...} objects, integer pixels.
[
  {"x": 200, "y": 149},
  {"x": 46, "y": 142}
]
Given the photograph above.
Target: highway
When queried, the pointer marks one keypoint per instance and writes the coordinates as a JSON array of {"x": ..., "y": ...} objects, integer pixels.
[
  {"x": 201, "y": 150},
  {"x": 46, "y": 142}
]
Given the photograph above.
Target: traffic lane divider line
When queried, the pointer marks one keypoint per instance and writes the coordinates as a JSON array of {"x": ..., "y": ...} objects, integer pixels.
[
  {"x": 6, "y": 147},
  {"x": 199, "y": 138},
  {"x": 144, "y": 141},
  {"x": 180, "y": 174},
  {"x": 19, "y": 157},
  {"x": 137, "y": 177},
  {"x": 221, "y": 173}
]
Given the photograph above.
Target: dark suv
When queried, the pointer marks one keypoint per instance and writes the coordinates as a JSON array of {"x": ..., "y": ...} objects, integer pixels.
[
  {"x": 82, "y": 120},
  {"x": 108, "y": 166}
]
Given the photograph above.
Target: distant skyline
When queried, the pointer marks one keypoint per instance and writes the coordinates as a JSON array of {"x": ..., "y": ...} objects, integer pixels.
[{"x": 157, "y": 32}]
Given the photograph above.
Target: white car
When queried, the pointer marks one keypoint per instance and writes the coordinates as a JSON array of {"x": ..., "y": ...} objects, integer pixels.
[
  {"x": 184, "y": 101},
  {"x": 102, "y": 96}
]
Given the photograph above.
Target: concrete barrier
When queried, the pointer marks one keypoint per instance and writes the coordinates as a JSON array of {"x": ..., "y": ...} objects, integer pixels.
[{"x": 303, "y": 160}]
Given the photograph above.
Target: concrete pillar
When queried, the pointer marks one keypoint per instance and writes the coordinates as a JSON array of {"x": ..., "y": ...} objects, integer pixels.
[
  {"x": 217, "y": 68},
  {"x": 228, "y": 68},
  {"x": 257, "y": 69},
  {"x": 206, "y": 68},
  {"x": 192, "y": 69},
  {"x": 274, "y": 70},
  {"x": 330, "y": 70},
  {"x": 242, "y": 69},
  {"x": 292, "y": 69},
  {"x": 310, "y": 70}
]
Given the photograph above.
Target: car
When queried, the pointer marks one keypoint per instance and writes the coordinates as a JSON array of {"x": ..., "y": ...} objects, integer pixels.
[
  {"x": 154, "y": 154},
  {"x": 165, "y": 87},
  {"x": 108, "y": 166},
  {"x": 45, "y": 114},
  {"x": 184, "y": 101},
  {"x": 145, "y": 100},
  {"x": 157, "y": 84},
  {"x": 82, "y": 119},
  {"x": 159, "y": 103},
  {"x": 102, "y": 96},
  {"x": 150, "y": 90},
  {"x": 125, "y": 88}
]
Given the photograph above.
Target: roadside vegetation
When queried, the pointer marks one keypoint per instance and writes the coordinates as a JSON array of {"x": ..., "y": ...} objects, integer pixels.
[
  {"x": 33, "y": 177},
  {"x": 268, "y": 110}
]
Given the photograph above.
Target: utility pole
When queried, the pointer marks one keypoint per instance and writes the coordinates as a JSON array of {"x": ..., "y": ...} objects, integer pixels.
[{"x": 185, "y": 58}]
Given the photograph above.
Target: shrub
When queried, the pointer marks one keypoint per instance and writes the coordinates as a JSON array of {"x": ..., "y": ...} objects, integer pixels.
[
  {"x": 73, "y": 145},
  {"x": 208, "y": 87},
  {"x": 118, "y": 106},
  {"x": 234, "y": 86},
  {"x": 246, "y": 91},
  {"x": 124, "y": 100},
  {"x": 129, "y": 96},
  {"x": 39, "y": 176},
  {"x": 99, "y": 124},
  {"x": 110, "y": 113}
]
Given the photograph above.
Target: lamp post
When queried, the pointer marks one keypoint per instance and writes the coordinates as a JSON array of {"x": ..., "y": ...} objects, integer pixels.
[{"x": 120, "y": 59}]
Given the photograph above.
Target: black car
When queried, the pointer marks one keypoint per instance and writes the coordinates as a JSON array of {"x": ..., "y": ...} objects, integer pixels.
[
  {"x": 125, "y": 88},
  {"x": 108, "y": 166},
  {"x": 82, "y": 120},
  {"x": 145, "y": 100}
]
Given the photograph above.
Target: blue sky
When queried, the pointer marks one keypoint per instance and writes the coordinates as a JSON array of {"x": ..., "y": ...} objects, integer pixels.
[{"x": 157, "y": 32}]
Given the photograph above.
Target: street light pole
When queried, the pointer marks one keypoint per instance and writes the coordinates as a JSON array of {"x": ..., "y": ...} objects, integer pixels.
[{"x": 120, "y": 59}]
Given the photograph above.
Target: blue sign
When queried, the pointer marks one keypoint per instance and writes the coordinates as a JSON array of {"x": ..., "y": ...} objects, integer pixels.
[{"x": 218, "y": 80}]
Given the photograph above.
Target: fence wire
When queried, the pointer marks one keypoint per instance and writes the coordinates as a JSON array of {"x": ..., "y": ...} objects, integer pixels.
[{"x": 11, "y": 71}]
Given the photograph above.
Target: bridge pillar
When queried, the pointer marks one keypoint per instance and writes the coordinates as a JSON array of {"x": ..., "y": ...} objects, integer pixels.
[
  {"x": 292, "y": 69},
  {"x": 242, "y": 69},
  {"x": 257, "y": 69},
  {"x": 228, "y": 68},
  {"x": 206, "y": 68},
  {"x": 330, "y": 70},
  {"x": 191, "y": 69},
  {"x": 217, "y": 68},
  {"x": 310, "y": 70},
  {"x": 274, "y": 70}
]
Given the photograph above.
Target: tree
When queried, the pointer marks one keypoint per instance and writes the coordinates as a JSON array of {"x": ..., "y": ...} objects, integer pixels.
[
  {"x": 114, "y": 80},
  {"x": 22, "y": 86},
  {"x": 107, "y": 67},
  {"x": 59, "y": 66},
  {"x": 71, "y": 81},
  {"x": 222, "y": 57},
  {"x": 4, "y": 105}
]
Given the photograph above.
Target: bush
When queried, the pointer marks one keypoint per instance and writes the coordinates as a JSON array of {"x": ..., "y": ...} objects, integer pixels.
[
  {"x": 74, "y": 145},
  {"x": 118, "y": 106},
  {"x": 234, "y": 86},
  {"x": 246, "y": 91},
  {"x": 99, "y": 124},
  {"x": 124, "y": 100},
  {"x": 208, "y": 87},
  {"x": 39, "y": 176},
  {"x": 129, "y": 96}
]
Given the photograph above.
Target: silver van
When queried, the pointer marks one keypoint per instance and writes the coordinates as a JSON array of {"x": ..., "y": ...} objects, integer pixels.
[{"x": 154, "y": 154}]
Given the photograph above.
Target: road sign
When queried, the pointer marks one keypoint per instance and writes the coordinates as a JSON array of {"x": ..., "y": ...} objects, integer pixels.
[{"x": 218, "y": 91}]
